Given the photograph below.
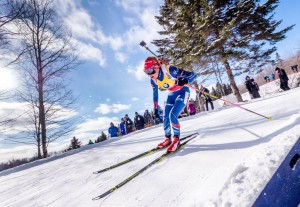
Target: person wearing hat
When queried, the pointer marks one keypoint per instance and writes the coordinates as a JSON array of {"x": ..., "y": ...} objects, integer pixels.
[
  {"x": 122, "y": 127},
  {"x": 294, "y": 68},
  {"x": 128, "y": 124},
  {"x": 191, "y": 108},
  {"x": 147, "y": 118},
  {"x": 113, "y": 130},
  {"x": 284, "y": 80},
  {"x": 139, "y": 121},
  {"x": 205, "y": 92},
  {"x": 175, "y": 80},
  {"x": 252, "y": 87}
]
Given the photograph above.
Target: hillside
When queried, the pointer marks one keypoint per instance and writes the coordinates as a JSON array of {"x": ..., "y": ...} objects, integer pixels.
[{"x": 228, "y": 164}]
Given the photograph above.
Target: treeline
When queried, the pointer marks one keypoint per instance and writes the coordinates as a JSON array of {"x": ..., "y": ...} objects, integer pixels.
[
  {"x": 221, "y": 90},
  {"x": 74, "y": 144},
  {"x": 16, "y": 162}
]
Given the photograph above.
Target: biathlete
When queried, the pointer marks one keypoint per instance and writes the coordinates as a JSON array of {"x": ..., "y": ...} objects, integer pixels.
[{"x": 175, "y": 80}]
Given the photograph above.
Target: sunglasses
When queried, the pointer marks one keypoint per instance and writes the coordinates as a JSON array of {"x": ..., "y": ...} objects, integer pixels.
[{"x": 150, "y": 71}]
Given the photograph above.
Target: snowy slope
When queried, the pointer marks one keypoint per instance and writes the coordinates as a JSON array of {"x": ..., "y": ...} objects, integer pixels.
[{"x": 228, "y": 164}]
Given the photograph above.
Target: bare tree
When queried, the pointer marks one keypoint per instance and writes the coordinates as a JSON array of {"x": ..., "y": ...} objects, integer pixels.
[
  {"x": 9, "y": 11},
  {"x": 4, "y": 121},
  {"x": 47, "y": 57}
]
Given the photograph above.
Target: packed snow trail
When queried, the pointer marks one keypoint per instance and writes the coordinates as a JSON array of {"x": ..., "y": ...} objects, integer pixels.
[
  {"x": 157, "y": 160},
  {"x": 228, "y": 164},
  {"x": 148, "y": 152}
]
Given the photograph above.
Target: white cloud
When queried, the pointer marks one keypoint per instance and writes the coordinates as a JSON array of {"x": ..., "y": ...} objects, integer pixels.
[
  {"x": 101, "y": 123},
  {"x": 89, "y": 52},
  {"x": 140, "y": 17},
  {"x": 114, "y": 108},
  {"x": 138, "y": 71},
  {"x": 90, "y": 129},
  {"x": 143, "y": 25},
  {"x": 17, "y": 152},
  {"x": 12, "y": 110},
  {"x": 135, "y": 99},
  {"x": 83, "y": 25},
  {"x": 121, "y": 57},
  {"x": 9, "y": 79}
]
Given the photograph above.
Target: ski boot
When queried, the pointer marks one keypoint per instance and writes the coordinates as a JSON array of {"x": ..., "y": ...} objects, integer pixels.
[
  {"x": 175, "y": 144},
  {"x": 165, "y": 143}
]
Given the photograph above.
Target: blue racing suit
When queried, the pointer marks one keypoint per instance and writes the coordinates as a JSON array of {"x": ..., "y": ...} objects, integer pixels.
[{"x": 177, "y": 98}]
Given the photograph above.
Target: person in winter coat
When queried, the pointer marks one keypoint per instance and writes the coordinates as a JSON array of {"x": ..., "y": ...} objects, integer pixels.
[
  {"x": 284, "y": 80},
  {"x": 294, "y": 68},
  {"x": 147, "y": 118},
  {"x": 158, "y": 115},
  {"x": 252, "y": 87},
  {"x": 122, "y": 127},
  {"x": 267, "y": 78},
  {"x": 273, "y": 76},
  {"x": 128, "y": 124},
  {"x": 113, "y": 130},
  {"x": 164, "y": 76},
  {"x": 204, "y": 91},
  {"x": 191, "y": 108},
  {"x": 139, "y": 121}
]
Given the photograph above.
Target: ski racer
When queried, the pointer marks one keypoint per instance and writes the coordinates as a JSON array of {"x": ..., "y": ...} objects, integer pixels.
[{"x": 175, "y": 80}]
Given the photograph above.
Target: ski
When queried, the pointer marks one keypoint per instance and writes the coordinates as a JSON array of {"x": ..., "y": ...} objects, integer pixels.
[
  {"x": 149, "y": 152},
  {"x": 157, "y": 160}
]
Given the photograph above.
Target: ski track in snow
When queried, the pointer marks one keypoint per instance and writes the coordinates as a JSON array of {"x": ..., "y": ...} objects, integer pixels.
[{"x": 228, "y": 164}]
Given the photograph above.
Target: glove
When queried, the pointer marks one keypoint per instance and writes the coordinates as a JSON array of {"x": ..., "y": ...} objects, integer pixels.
[
  {"x": 156, "y": 112},
  {"x": 181, "y": 81}
]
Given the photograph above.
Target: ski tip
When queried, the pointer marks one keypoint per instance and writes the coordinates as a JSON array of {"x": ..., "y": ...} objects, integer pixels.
[
  {"x": 96, "y": 198},
  {"x": 270, "y": 118}
]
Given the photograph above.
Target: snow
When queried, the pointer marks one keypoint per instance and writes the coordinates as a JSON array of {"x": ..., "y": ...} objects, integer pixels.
[{"x": 227, "y": 164}]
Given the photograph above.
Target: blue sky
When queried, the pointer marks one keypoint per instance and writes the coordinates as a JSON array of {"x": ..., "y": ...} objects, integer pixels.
[{"x": 110, "y": 81}]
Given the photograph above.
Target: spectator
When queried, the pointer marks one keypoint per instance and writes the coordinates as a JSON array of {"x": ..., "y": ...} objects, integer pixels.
[
  {"x": 147, "y": 118},
  {"x": 128, "y": 124},
  {"x": 204, "y": 91},
  {"x": 252, "y": 88},
  {"x": 122, "y": 127},
  {"x": 158, "y": 115},
  {"x": 283, "y": 79},
  {"x": 273, "y": 76},
  {"x": 113, "y": 130},
  {"x": 267, "y": 78},
  {"x": 294, "y": 68},
  {"x": 139, "y": 121},
  {"x": 184, "y": 113},
  {"x": 191, "y": 108}
]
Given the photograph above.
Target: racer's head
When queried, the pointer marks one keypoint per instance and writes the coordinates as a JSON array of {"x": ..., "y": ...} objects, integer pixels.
[{"x": 151, "y": 67}]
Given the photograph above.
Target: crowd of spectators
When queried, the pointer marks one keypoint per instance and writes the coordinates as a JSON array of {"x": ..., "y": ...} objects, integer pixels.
[{"x": 139, "y": 122}]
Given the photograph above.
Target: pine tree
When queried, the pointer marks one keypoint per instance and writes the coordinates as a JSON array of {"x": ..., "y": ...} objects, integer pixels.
[
  {"x": 219, "y": 90},
  {"x": 228, "y": 30},
  {"x": 214, "y": 92},
  {"x": 101, "y": 138},
  {"x": 278, "y": 60},
  {"x": 227, "y": 89},
  {"x": 75, "y": 144}
]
